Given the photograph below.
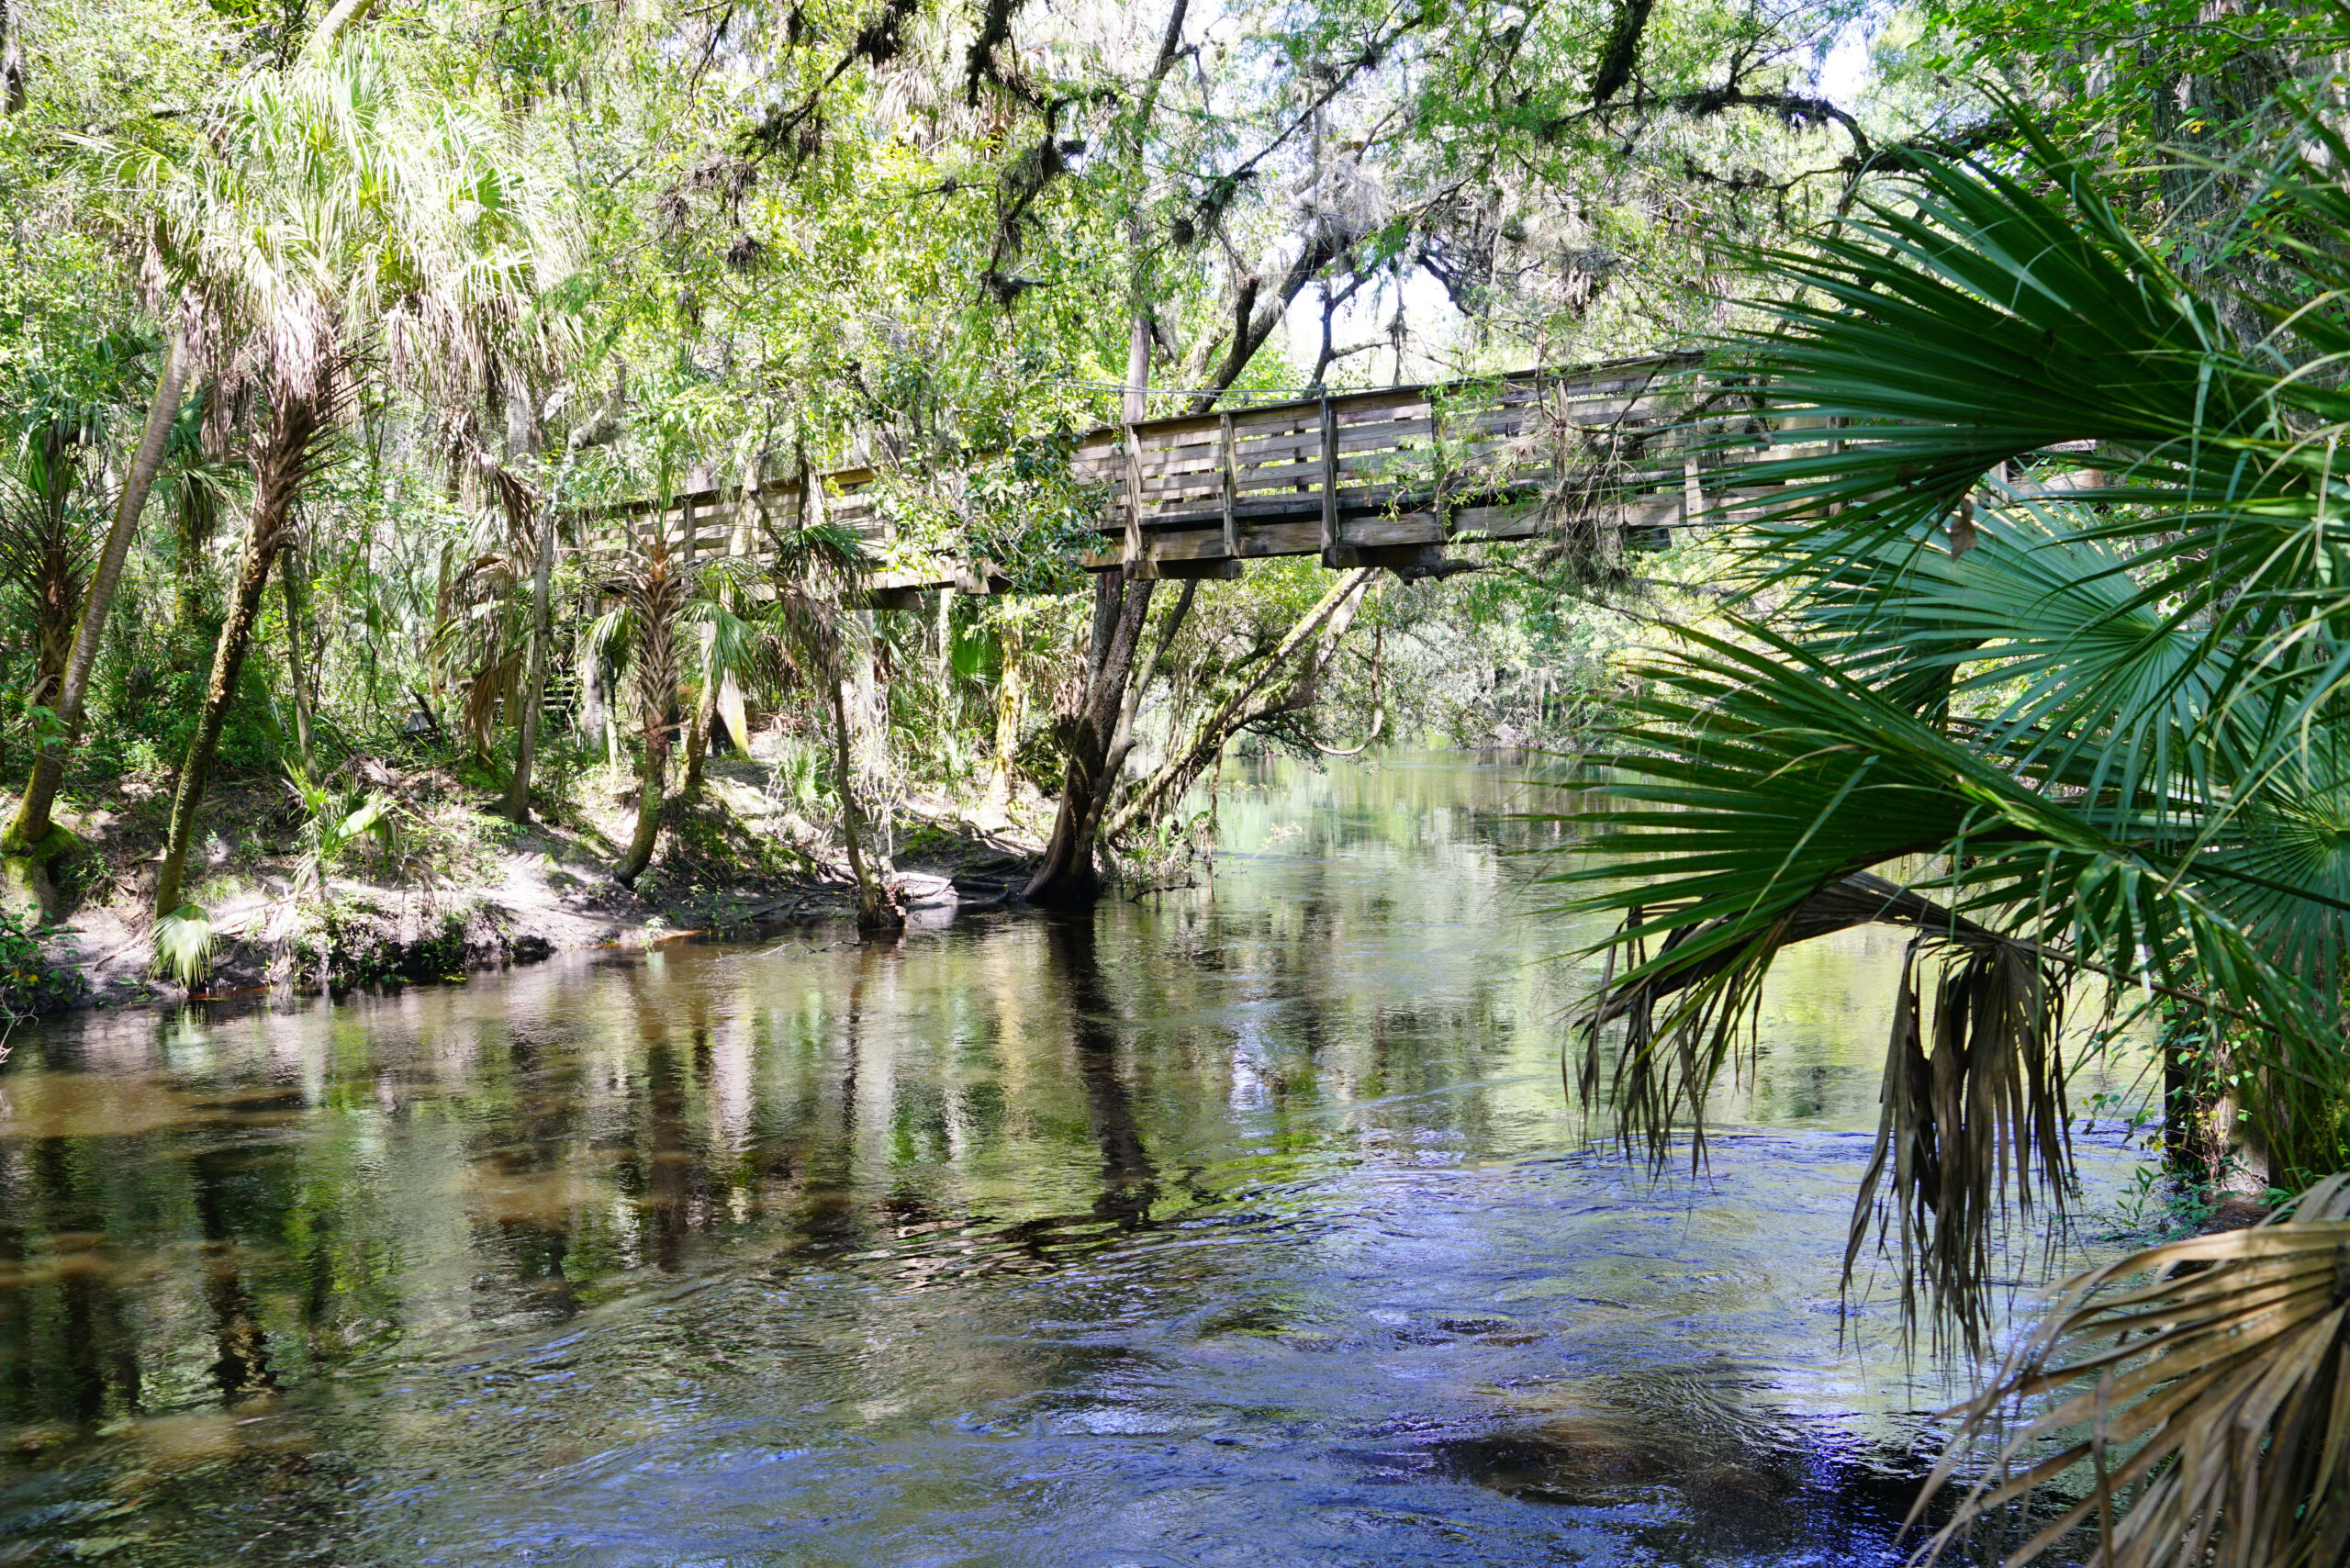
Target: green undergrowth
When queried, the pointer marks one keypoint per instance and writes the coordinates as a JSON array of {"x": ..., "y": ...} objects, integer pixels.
[{"x": 29, "y": 983}]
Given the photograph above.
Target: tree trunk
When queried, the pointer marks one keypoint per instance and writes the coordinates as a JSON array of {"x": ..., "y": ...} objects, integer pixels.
[
  {"x": 534, "y": 683},
  {"x": 705, "y": 704},
  {"x": 589, "y": 719},
  {"x": 657, "y": 597},
  {"x": 12, "y": 66},
  {"x": 876, "y": 911},
  {"x": 1335, "y": 609},
  {"x": 649, "y": 783},
  {"x": 279, "y": 473},
  {"x": 56, "y": 595},
  {"x": 1068, "y": 876},
  {"x": 297, "y": 677},
  {"x": 1010, "y": 706},
  {"x": 30, "y": 824}
]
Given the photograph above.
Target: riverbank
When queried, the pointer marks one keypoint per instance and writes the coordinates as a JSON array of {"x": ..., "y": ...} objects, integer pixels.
[{"x": 454, "y": 888}]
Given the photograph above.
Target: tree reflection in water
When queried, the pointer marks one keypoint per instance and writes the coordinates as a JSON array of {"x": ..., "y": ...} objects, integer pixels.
[{"x": 1238, "y": 1225}]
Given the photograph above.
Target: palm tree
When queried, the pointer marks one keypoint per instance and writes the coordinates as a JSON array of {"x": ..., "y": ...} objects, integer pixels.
[
  {"x": 814, "y": 569},
  {"x": 45, "y": 539},
  {"x": 653, "y": 589},
  {"x": 28, "y": 840},
  {"x": 336, "y": 208},
  {"x": 481, "y": 641},
  {"x": 2054, "y": 677}
]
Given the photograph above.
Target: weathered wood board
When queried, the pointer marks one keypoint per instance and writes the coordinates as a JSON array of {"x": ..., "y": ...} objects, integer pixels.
[{"x": 1384, "y": 470}]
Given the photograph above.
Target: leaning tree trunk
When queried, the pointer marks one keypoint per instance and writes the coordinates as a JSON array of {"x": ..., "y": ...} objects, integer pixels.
[
  {"x": 650, "y": 782},
  {"x": 279, "y": 470},
  {"x": 30, "y": 825},
  {"x": 1097, "y": 751},
  {"x": 1329, "y": 618}
]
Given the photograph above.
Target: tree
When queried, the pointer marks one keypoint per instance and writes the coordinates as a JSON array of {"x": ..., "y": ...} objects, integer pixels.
[
  {"x": 29, "y": 843},
  {"x": 653, "y": 589},
  {"x": 815, "y": 568},
  {"x": 267, "y": 228}
]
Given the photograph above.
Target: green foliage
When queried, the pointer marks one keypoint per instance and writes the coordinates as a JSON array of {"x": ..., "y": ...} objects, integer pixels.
[
  {"x": 29, "y": 983},
  {"x": 333, "y": 822},
  {"x": 184, "y": 945},
  {"x": 2106, "y": 721}
]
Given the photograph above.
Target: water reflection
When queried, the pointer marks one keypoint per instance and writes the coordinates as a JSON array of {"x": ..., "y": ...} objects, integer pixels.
[{"x": 1242, "y": 1226}]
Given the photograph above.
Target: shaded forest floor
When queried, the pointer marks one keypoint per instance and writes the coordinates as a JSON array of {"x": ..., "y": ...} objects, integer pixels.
[{"x": 460, "y": 889}]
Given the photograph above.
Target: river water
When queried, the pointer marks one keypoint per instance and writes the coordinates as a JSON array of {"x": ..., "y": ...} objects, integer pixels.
[{"x": 1242, "y": 1226}]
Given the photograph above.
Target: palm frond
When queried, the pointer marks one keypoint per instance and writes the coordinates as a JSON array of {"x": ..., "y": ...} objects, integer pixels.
[
  {"x": 184, "y": 945},
  {"x": 1753, "y": 799},
  {"x": 2204, "y": 1385}
]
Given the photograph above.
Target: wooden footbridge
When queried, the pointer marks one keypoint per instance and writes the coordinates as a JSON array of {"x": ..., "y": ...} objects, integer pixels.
[{"x": 1388, "y": 477}]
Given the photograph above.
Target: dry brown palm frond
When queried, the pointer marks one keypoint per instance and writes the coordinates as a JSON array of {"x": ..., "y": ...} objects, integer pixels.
[
  {"x": 1973, "y": 1111},
  {"x": 2205, "y": 1385},
  {"x": 655, "y": 592},
  {"x": 1968, "y": 1129},
  {"x": 491, "y": 691}
]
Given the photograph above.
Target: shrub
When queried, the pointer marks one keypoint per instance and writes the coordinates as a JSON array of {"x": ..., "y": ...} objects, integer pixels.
[{"x": 29, "y": 983}]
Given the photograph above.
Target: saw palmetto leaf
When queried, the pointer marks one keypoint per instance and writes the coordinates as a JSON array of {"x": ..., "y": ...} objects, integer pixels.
[
  {"x": 2059, "y": 732},
  {"x": 1750, "y": 794}
]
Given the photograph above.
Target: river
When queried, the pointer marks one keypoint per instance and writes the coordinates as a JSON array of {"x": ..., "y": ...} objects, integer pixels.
[{"x": 1240, "y": 1226}]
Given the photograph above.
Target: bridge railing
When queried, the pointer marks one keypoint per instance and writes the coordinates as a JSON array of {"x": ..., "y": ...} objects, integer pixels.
[{"x": 1388, "y": 477}]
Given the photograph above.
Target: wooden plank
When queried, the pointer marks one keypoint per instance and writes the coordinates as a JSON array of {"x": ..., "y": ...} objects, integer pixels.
[
  {"x": 1410, "y": 528},
  {"x": 1369, "y": 465},
  {"x": 1194, "y": 569},
  {"x": 1329, "y": 475},
  {"x": 1133, "y": 494},
  {"x": 1227, "y": 492}
]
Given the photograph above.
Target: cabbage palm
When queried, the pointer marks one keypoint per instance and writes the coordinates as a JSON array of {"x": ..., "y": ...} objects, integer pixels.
[
  {"x": 335, "y": 212},
  {"x": 654, "y": 587},
  {"x": 2106, "y": 715},
  {"x": 814, "y": 568},
  {"x": 50, "y": 549}
]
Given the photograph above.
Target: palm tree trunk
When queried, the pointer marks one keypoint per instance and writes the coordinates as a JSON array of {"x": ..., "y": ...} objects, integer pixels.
[
  {"x": 651, "y": 782},
  {"x": 31, "y": 822},
  {"x": 656, "y": 595},
  {"x": 534, "y": 685},
  {"x": 297, "y": 676},
  {"x": 697, "y": 732},
  {"x": 280, "y": 467},
  {"x": 874, "y": 910}
]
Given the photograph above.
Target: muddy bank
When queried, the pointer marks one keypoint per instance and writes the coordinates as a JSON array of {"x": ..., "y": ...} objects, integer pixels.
[{"x": 461, "y": 890}]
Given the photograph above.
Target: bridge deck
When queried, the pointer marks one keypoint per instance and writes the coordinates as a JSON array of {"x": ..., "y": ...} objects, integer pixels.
[{"x": 1379, "y": 477}]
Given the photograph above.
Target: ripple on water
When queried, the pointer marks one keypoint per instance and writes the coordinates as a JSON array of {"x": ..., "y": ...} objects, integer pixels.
[{"x": 1246, "y": 1227}]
